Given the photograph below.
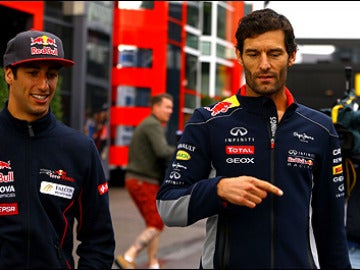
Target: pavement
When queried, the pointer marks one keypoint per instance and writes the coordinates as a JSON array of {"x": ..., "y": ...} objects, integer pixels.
[{"x": 179, "y": 247}]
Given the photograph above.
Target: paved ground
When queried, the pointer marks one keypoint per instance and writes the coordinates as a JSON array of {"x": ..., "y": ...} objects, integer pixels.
[{"x": 179, "y": 248}]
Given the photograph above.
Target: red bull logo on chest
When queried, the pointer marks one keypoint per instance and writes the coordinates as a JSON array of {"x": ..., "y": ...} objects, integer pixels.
[
  {"x": 220, "y": 107},
  {"x": 223, "y": 106}
]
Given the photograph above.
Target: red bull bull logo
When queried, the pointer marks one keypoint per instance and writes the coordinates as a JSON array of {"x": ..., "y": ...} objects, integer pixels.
[
  {"x": 43, "y": 40},
  {"x": 220, "y": 107},
  {"x": 63, "y": 175},
  {"x": 5, "y": 165}
]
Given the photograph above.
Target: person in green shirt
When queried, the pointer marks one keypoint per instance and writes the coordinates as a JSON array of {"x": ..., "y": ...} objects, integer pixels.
[{"x": 149, "y": 155}]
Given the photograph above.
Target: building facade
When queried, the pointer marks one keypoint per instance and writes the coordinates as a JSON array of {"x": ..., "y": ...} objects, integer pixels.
[{"x": 185, "y": 48}]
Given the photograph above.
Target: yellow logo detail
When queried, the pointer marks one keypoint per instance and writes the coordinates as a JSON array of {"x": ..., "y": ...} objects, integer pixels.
[
  {"x": 182, "y": 155},
  {"x": 337, "y": 169}
]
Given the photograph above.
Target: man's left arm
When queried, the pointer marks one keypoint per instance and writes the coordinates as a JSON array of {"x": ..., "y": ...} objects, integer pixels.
[{"x": 95, "y": 229}]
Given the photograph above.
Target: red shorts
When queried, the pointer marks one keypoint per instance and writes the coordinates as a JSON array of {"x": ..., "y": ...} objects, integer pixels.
[{"x": 144, "y": 197}]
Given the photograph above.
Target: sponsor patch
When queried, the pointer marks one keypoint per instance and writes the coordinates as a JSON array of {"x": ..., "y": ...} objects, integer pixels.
[
  {"x": 182, "y": 155},
  {"x": 337, "y": 169},
  {"x": 223, "y": 106},
  {"x": 5, "y": 165},
  {"x": 7, "y": 178},
  {"x": 58, "y": 190},
  {"x": 103, "y": 188},
  {"x": 8, "y": 209},
  {"x": 240, "y": 149}
]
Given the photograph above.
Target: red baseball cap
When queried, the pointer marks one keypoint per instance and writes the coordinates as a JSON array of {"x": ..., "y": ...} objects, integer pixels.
[{"x": 33, "y": 45}]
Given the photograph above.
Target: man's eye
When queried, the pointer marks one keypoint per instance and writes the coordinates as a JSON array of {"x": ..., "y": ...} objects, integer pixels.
[
  {"x": 33, "y": 73},
  {"x": 52, "y": 76}
]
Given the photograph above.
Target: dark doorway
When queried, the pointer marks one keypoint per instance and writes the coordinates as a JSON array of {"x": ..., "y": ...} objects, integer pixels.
[{"x": 14, "y": 21}]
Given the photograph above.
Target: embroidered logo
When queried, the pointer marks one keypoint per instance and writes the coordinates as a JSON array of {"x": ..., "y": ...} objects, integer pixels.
[
  {"x": 8, "y": 209},
  {"x": 103, "y": 188},
  {"x": 58, "y": 190}
]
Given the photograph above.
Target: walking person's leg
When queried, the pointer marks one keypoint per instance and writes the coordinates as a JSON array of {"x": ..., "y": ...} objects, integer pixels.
[
  {"x": 144, "y": 196},
  {"x": 152, "y": 252}
]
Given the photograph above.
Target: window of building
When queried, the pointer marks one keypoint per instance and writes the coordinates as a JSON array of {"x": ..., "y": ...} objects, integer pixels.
[
  {"x": 205, "y": 78},
  {"x": 173, "y": 67},
  {"x": 174, "y": 31},
  {"x": 190, "y": 101},
  {"x": 173, "y": 58},
  {"x": 192, "y": 41},
  {"x": 54, "y": 10},
  {"x": 96, "y": 97},
  {"x": 191, "y": 71},
  {"x": 98, "y": 54},
  {"x": 123, "y": 135},
  {"x": 175, "y": 9},
  {"x": 131, "y": 56},
  {"x": 133, "y": 96},
  {"x": 100, "y": 14},
  {"x": 207, "y": 18},
  {"x": 135, "y": 4},
  {"x": 221, "y": 22},
  {"x": 223, "y": 81},
  {"x": 205, "y": 47},
  {"x": 193, "y": 14},
  {"x": 220, "y": 51}
]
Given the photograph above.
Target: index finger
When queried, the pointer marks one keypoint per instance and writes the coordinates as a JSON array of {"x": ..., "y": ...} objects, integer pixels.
[{"x": 270, "y": 187}]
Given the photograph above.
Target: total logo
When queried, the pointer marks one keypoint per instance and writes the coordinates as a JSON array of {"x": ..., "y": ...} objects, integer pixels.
[{"x": 240, "y": 150}]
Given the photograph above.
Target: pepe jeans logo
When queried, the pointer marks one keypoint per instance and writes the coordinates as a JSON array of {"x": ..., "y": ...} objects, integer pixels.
[{"x": 303, "y": 137}]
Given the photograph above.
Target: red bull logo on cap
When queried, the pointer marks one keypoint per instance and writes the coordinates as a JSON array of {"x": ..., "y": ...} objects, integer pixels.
[{"x": 45, "y": 41}]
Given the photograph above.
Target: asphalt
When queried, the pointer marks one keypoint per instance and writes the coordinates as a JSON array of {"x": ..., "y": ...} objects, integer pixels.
[{"x": 179, "y": 247}]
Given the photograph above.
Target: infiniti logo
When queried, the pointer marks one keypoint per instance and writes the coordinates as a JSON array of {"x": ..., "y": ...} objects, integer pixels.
[
  {"x": 238, "y": 131},
  {"x": 175, "y": 175}
]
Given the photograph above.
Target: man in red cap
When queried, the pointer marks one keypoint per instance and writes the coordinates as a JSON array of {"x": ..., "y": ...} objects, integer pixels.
[{"x": 50, "y": 174}]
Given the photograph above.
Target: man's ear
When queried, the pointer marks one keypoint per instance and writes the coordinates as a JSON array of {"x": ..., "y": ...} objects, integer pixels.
[
  {"x": 292, "y": 59},
  {"x": 9, "y": 75},
  {"x": 238, "y": 56}
]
